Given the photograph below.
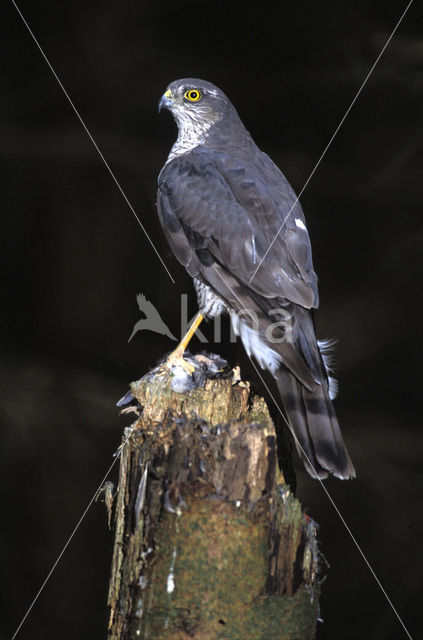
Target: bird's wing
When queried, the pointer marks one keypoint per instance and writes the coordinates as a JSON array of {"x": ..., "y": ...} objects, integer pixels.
[{"x": 217, "y": 208}]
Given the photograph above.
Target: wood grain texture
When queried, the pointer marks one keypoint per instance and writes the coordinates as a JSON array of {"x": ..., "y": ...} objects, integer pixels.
[{"x": 209, "y": 540}]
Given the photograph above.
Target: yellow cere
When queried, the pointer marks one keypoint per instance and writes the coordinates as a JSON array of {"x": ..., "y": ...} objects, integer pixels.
[{"x": 193, "y": 95}]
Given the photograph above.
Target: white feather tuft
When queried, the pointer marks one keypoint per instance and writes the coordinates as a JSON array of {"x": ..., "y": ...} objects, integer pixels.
[
  {"x": 255, "y": 346},
  {"x": 326, "y": 348}
]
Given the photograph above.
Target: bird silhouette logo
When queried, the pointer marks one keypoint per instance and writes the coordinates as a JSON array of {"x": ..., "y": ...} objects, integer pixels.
[{"x": 152, "y": 320}]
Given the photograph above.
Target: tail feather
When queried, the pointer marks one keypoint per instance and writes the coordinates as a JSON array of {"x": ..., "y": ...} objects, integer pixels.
[
  {"x": 318, "y": 438},
  {"x": 302, "y": 368}
]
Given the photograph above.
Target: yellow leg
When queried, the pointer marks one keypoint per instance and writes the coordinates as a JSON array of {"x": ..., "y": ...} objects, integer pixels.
[{"x": 176, "y": 358}]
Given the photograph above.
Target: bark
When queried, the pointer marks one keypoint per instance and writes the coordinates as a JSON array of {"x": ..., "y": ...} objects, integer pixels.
[{"x": 209, "y": 540}]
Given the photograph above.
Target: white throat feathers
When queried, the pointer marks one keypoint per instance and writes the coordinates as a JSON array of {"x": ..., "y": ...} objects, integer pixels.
[{"x": 192, "y": 131}]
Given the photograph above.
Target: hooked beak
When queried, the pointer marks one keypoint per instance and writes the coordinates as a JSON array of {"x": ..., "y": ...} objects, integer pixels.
[{"x": 166, "y": 101}]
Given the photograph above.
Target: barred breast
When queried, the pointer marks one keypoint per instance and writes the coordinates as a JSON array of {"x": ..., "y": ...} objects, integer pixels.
[{"x": 209, "y": 303}]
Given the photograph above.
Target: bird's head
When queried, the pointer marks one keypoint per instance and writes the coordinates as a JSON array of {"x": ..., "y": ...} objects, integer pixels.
[{"x": 195, "y": 104}]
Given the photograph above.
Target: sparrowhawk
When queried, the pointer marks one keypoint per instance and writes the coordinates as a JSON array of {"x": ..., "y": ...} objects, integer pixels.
[{"x": 234, "y": 222}]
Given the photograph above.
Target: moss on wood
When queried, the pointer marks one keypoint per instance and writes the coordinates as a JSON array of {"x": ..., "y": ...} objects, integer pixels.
[{"x": 209, "y": 541}]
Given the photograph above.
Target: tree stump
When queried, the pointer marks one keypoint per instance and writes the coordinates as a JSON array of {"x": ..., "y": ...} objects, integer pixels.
[{"x": 209, "y": 540}]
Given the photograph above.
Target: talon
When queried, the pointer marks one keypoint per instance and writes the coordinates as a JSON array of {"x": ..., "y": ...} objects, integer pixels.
[{"x": 176, "y": 359}]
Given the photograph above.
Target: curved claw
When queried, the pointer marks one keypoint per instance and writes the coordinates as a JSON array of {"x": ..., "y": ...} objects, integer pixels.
[{"x": 176, "y": 359}]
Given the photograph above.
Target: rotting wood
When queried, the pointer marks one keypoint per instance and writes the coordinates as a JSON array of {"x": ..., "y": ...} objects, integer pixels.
[{"x": 209, "y": 540}]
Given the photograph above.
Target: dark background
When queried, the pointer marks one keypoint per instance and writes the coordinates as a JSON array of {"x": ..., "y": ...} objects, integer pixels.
[{"x": 74, "y": 258}]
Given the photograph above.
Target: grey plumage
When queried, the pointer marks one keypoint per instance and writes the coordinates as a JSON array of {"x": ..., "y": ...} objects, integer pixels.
[{"x": 222, "y": 203}]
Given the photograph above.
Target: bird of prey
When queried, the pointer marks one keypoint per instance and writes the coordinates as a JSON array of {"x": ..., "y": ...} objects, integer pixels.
[{"x": 232, "y": 219}]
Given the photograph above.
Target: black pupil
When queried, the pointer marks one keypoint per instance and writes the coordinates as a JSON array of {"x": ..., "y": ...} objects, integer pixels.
[{"x": 193, "y": 95}]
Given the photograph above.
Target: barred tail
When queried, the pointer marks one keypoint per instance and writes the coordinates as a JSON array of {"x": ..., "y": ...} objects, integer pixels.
[{"x": 318, "y": 438}]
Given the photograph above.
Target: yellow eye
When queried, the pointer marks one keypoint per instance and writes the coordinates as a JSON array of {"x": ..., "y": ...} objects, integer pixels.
[{"x": 193, "y": 95}]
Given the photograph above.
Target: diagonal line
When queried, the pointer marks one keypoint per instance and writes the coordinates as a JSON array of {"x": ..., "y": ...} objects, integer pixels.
[
  {"x": 333, "y": 136},
  {"x": 336, "y": 509},
  {"x": 87, "y": 131},
  {"x": 145, "y": 232},
  {"x": 59, "y": 557},
  {"x": 317, "y": 477}
]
